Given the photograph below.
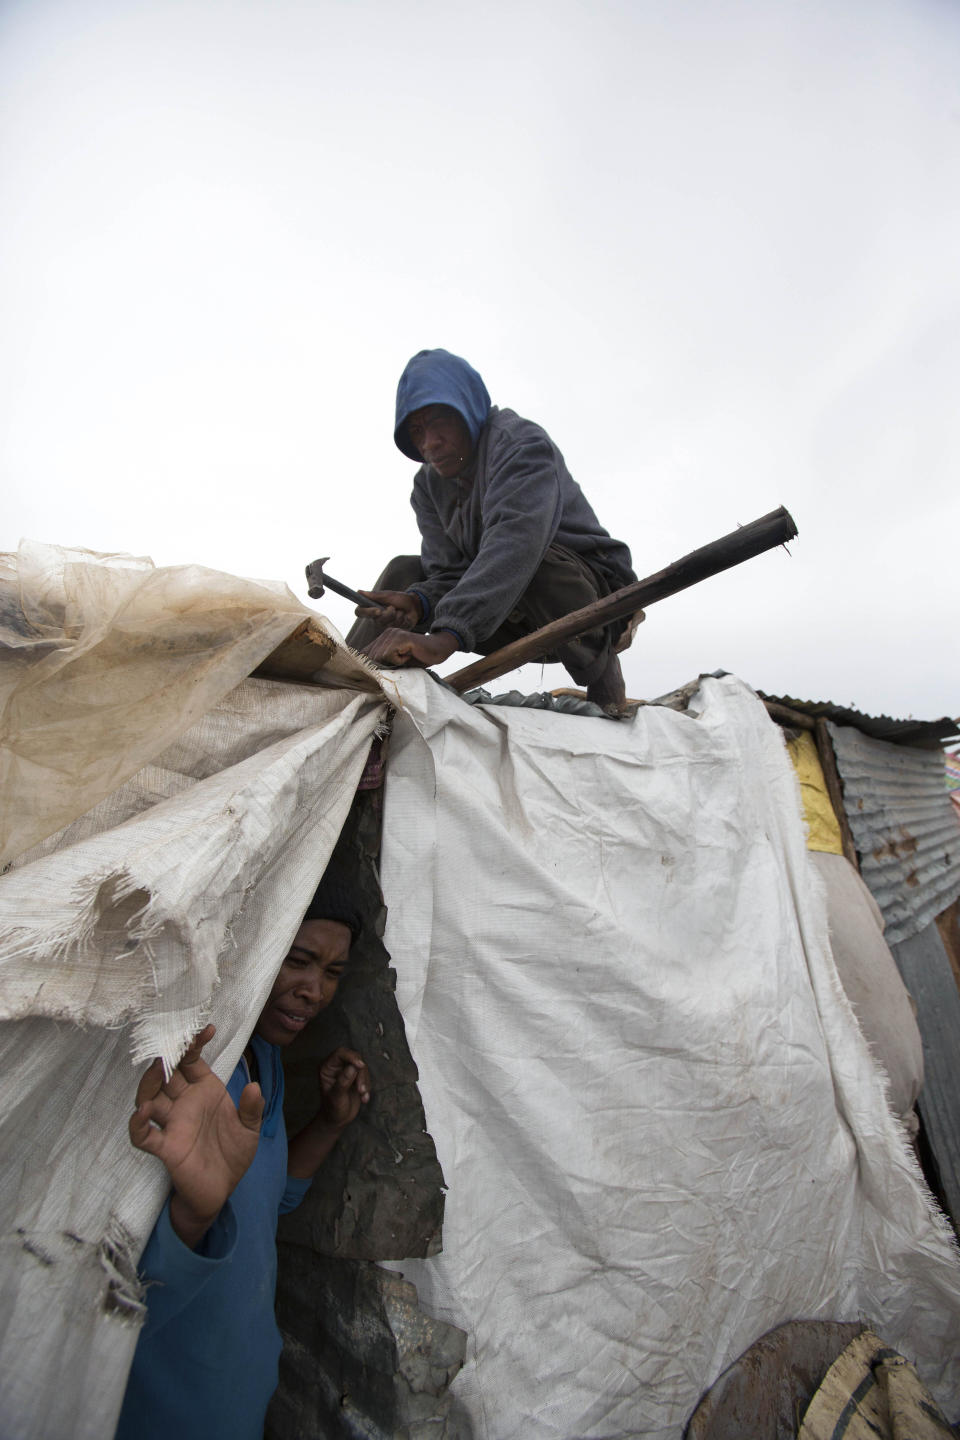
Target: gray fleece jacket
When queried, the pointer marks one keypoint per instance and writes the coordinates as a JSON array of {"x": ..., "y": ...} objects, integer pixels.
[{"x": 483, "y": 538}]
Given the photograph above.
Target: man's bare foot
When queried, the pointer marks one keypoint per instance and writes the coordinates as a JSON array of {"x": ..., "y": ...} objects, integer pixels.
[{"x": 609, "y": 691}]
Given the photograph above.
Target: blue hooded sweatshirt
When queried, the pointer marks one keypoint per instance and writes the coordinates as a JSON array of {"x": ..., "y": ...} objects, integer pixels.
[
  {"x": 485, "y": 533},
  {"x": 205, "y": 1366}
]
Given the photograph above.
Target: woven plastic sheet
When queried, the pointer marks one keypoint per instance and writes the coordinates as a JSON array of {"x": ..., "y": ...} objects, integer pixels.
[
  {"x": 661, "y": 1128},
  {"x": 172, "y": 902},
  {"x": 96, "y": 646}
]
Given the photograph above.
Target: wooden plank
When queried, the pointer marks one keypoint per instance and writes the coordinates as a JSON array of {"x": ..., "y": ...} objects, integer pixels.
[
  {"x": 783, "y": 715},
  {"x": 742, "y": 544},
  {"x": 948, "y": 923},
  {"x": 300, "y": 656},
  {"x": 828, "y": 764}
]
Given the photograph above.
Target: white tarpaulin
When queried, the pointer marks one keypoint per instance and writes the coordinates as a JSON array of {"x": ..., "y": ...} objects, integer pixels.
[
  {"x": 105, "y": 660},
  {"x": 661, "y": 1129},
  {"x": 188, "y": 909},
  {"x": 171, "y": 902}
]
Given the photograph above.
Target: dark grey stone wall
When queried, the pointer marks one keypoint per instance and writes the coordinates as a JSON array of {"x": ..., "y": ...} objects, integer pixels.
[{"x": 360, "y": 1358}]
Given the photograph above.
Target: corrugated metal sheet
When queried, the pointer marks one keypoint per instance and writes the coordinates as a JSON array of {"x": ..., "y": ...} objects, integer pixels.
[
  {"x": 925, "y": 966},
  {"x": 903, "y": 825},
  {"x": 881, "y": 727}
]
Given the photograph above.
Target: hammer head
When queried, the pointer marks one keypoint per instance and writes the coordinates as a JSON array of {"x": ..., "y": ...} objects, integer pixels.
[{"x": 315, "y": 577}]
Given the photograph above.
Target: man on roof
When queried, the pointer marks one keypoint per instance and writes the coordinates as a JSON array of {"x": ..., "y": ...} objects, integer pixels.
[
  {"x": 205, "y": 1366},
  {"x": 508, "y": 540}
]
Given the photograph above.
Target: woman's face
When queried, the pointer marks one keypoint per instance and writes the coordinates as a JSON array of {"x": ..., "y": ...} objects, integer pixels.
[{"x": 307, "y": 980}]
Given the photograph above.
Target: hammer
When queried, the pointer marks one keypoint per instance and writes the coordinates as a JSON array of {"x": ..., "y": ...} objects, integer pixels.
[{"x": 317, "y": 582}]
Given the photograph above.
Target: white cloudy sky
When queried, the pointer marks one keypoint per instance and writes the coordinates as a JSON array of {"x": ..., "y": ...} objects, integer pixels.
[{"x": 712, "y": 247}]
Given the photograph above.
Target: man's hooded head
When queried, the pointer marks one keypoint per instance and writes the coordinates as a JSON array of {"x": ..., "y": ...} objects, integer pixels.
[{"x": 435, "y": 377}]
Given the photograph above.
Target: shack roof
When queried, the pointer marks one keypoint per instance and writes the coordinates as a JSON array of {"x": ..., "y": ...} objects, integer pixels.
[{"x": 879, "y": 727}]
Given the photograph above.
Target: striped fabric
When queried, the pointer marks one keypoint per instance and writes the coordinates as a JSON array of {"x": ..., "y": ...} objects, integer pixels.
[{"x": 952, "y": 759}]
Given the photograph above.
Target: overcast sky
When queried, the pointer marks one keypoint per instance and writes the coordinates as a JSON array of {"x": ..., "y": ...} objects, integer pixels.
[{"x": 711, "y": 247}]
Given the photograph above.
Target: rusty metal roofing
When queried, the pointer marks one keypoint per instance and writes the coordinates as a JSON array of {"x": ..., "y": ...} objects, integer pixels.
[
  {"x": 881, "y": 727},
  {"x": 904, "y": 827}
]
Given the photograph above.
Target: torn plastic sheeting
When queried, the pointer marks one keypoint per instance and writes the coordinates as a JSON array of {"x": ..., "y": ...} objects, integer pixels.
[
  {"x": 106, "y": 660},
  {"x": 542, "y": 700},
  {"x": 285, "y": 760},
  {"x": 131, "y": 923},
  {"x": 662, "y": 1131}
]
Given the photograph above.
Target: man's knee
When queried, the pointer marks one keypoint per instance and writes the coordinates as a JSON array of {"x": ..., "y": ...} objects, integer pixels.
[
  {"x": 400, "y": 573},
  {"x": 562, "y": 583}
]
